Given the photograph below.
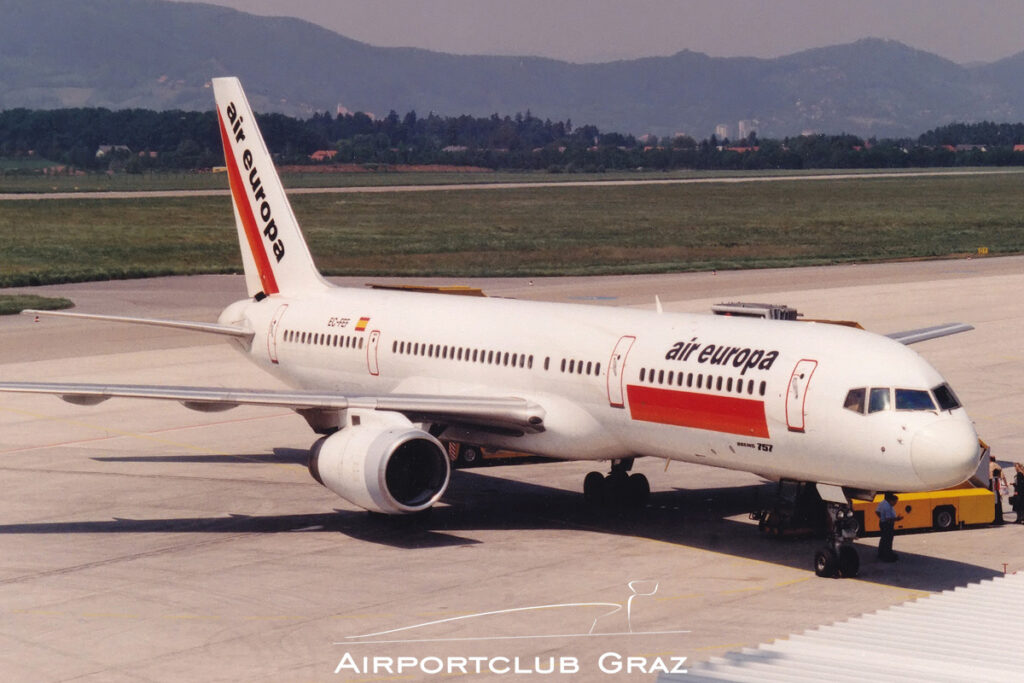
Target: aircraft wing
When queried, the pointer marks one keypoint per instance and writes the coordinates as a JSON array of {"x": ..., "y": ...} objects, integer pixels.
[
  {"x": 925, "y": 333},
  {"x": 509, "y": 413},
  {"x": 211, "y": 328}
]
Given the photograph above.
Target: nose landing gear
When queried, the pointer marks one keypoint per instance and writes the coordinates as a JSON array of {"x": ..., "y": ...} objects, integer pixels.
[
  {"x": 618, "y": 488},
  {"x": 839, "y": 558}
]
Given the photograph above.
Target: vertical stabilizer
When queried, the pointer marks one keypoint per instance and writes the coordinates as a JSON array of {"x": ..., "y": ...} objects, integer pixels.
[{"x": 274, "y": 253}]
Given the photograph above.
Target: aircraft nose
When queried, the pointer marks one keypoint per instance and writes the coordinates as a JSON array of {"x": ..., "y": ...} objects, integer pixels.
[{"x": 945, "y": 453}]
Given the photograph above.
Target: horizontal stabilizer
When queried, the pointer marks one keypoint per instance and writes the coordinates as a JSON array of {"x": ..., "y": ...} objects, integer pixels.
[
  {"x": 209, "y": 328},
  {"x": 925, "y": 333}
]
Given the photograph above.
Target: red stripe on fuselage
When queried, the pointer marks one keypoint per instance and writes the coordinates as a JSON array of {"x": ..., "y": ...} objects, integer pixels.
[
  {"x": 252, "y": 231},
  {"x": 727, "y": 414}
]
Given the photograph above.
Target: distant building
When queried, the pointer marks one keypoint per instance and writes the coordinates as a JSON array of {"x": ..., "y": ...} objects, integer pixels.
[
  {"x": 746, "y": 127},
  {"x": 323, "y": 154},
  {"x": 107, "y": 150},
  {"x": 722, "y": 131}
]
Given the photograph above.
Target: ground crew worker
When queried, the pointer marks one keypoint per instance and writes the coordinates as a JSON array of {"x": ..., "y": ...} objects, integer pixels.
[
  {"x": 997, "y": 483},
  {"x": 887, "y": 519}
]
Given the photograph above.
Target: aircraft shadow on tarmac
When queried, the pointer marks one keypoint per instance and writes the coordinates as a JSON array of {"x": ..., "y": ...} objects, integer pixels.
[
  {"x": 699, "y": 518},
  {"x": 278, "y": 456}
]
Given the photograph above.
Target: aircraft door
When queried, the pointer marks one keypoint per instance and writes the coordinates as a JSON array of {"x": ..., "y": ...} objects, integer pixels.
[
  {"x": 272, "y": 332},
  {"x": 616, "y": 372},
  {"x": 796, "y": 394},
  {"x": 371, "y": 352}
]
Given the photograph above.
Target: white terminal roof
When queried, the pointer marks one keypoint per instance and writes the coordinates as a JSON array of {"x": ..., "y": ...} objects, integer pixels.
[{"x": 973, "y": 633}]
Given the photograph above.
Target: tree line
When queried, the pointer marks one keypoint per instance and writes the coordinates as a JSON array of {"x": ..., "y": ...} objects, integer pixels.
[{"x": 139, "y": 140}]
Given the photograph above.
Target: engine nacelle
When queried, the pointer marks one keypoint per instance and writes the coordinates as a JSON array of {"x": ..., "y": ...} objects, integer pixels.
[{"x": 382, "y": 463}]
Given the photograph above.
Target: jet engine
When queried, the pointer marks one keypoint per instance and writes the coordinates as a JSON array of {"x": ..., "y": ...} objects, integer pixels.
[{"x": 382, "y": 463}]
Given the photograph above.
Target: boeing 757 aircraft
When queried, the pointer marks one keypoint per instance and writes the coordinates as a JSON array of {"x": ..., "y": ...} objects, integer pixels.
[{"x": 383, "y": 376}]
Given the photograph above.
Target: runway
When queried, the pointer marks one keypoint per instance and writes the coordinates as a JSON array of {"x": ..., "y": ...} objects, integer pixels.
[
  {"x": 140, "y": 541},
  {"x": 455, "y": 187}
]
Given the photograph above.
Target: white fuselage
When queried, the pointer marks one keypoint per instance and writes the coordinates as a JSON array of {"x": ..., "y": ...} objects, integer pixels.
[{"x": 746, "y": 394}]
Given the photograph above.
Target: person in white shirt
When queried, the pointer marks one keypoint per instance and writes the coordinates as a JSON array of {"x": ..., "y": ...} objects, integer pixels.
[{"x": 887, "y": 519}]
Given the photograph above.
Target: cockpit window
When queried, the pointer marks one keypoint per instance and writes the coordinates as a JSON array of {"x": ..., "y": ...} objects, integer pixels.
[
  {"x": 913, "y": 399},
  {"x": 855, "y": 400},
  {"x": 880, "y": 400},
  {"x": 945, "y": 397}
]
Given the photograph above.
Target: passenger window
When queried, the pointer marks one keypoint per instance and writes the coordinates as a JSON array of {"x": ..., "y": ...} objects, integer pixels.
[
  {"x": 728, "y": 384},
  {"x": 855, "y": 400},
  {"x": 360, "y": 342},
  {"x": 764, "y": 386},
  {"x": 945, "y": 397},
  {"x": 880, "y": 400},
  {"x": 547, "y": 363},
  {"x": 661, "y": 376},
  {"x": 597, "y": 368},
  {"x": 590, "y": 366},
  {"x": 643, "y": 373},
  {"x": 913, "y": 399}
]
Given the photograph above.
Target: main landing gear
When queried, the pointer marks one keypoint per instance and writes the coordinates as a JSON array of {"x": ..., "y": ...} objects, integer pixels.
[{"x": 618, "y": 488}]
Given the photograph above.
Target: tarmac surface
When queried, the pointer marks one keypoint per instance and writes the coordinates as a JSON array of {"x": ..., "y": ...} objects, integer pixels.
[{"x": 140, "y": 541}]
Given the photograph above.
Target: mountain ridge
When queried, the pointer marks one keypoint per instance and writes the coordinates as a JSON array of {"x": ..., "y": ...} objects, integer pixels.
[{"x": 160, "y": 55}]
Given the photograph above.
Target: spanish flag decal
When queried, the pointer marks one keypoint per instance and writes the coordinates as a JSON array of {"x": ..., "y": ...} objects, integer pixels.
[{"x": 361, "y": 325}]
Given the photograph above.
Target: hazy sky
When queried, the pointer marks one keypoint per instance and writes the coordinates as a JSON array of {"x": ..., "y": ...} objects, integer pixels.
[{"x": 602, "y": 30}]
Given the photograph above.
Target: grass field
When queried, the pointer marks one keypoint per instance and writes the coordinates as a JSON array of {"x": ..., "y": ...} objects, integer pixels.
[
  {"x": 560, "y": 230},
  {"x": 16, "y": 303}
]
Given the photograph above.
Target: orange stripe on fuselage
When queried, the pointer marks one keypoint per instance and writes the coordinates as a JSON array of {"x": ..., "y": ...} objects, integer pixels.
[
  {"x": 727, "y": 414},
  {"x": 252, "y": 231}
]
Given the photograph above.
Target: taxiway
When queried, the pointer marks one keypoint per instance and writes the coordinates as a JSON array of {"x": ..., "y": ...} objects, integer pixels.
[{"x": 140, "y": 541}]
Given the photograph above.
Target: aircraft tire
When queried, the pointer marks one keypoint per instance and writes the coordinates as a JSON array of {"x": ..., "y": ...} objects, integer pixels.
[
  {"x": 849, "y": 562},
  {"x": 826, "y": 564},
  {"x": 638, "y": 490},
  {"x": 469, "y": 456},
  {"x": 594, "y": 489}
]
